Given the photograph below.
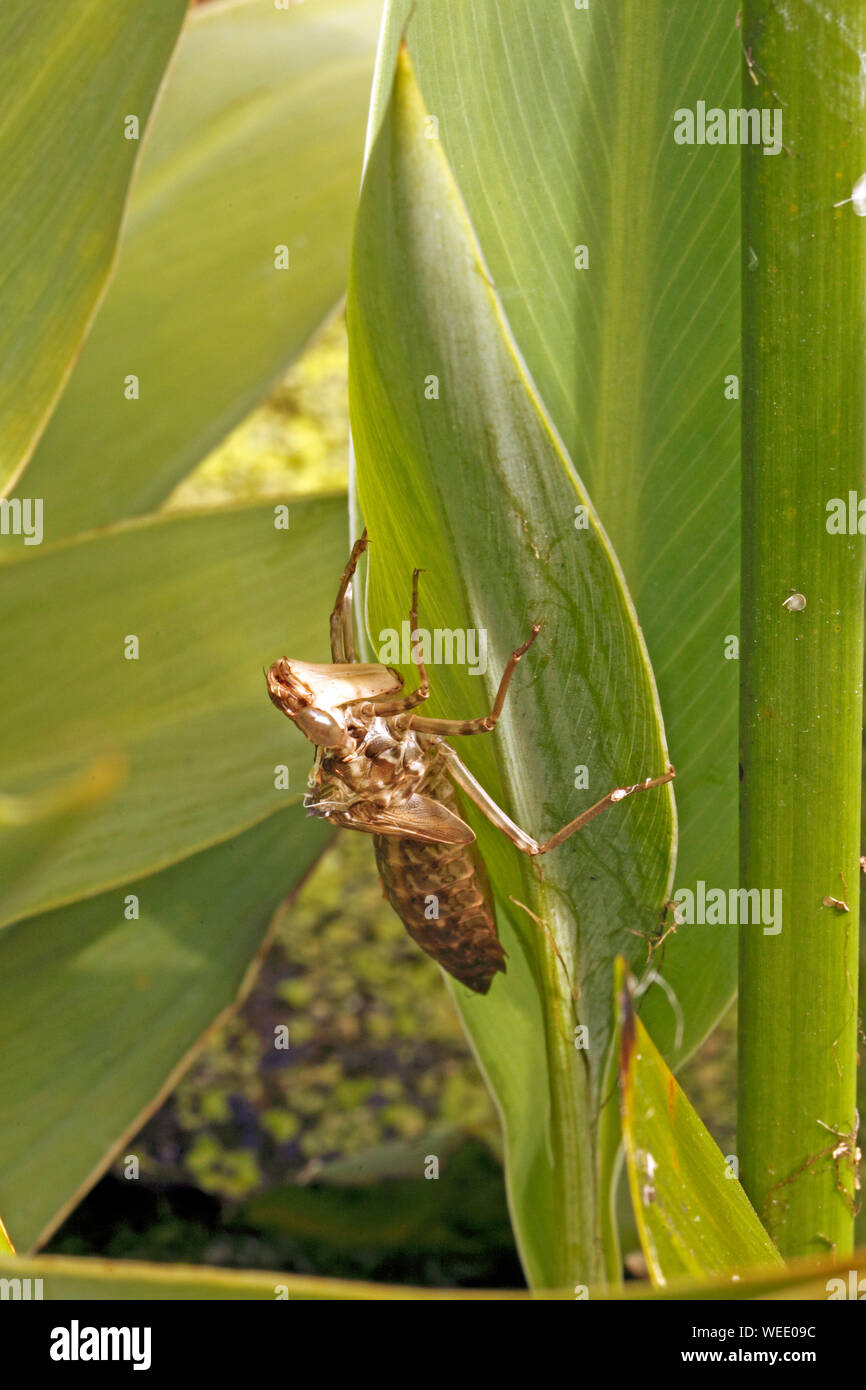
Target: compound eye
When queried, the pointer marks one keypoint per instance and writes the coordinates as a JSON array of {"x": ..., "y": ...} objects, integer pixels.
[{"x": 319, "y": 727}]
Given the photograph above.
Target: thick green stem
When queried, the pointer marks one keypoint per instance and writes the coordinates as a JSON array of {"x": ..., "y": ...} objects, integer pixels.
[
  {"x": 804, "y": 349},
  {"x": 579, "y": 1254}
]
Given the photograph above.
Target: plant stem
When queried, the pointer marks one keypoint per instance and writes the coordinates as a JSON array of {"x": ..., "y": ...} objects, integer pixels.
[
  {"x": 804, "y": 348},
  {"x": 581, "y": 1259}
]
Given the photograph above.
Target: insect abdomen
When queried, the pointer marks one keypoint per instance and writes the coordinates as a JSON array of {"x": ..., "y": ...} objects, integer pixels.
[{"x": 437, "y": 892}]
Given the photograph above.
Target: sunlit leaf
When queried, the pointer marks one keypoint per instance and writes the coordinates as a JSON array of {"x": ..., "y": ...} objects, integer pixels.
[
  {"x": 461, "y": 474},
  {"x": 558, "y": 123},
  {"x": 70, "y": 1278},
  {"x": 693, "y": 1216},
  {"x": 31, "y": 827},
  {"x": 70, "y": 80},
  {"x": 256, "y": 145},
  {"x": 148, "y": 641}
]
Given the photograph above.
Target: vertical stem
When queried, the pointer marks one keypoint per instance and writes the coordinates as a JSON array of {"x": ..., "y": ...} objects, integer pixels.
[
  {"x": 579, "y": 1254},
  {"x": 804, "y": 350}
]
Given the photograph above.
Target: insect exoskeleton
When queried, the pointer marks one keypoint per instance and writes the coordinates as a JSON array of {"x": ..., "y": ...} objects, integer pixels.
[
  {"x": 373, "y": 773},
  {"x": 384, "y": 770}
]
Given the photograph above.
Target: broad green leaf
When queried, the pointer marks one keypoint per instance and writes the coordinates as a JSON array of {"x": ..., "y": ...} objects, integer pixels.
[
  {"x": 31, "y": 827},
  {"x": 99, "y": 1010},
  {"x": 558, "y": 123},
  {"x": 211, "y": 598},
  {"x": 693, "y": 1216},
  {"x": 70, "y": 79},
  {"x": 257, "y": 144},
  {"x": 461, "y": 474}
]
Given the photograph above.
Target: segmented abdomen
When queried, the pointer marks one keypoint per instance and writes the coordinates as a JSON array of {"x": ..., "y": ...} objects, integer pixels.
[{"x": 440, "y": 894}]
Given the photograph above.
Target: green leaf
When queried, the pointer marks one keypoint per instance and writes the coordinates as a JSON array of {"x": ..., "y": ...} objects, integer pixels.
[
  {"x": 257, "y": 143},
  {"x": 31, "y": 827},
  {"x": 99, "y": 1011},
  {"x": 558, "y": 124},
  {"x": 810, "y": 1280},
  {"x": 472, "y": 484},
  {"x": 694, "y": 1218},
  {"x": 860, "y": 1220},
  {"x": 395, "y": 1158},
  {"x": 68, "y": 81},
  {"x": 393, "y": 1208},
  {"x": 71, "y": 1278},
  {"x": 211, "y": 598}
]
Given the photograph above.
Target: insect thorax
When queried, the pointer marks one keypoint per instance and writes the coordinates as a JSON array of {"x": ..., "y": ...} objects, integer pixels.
[{"x": 385, "y": 765}]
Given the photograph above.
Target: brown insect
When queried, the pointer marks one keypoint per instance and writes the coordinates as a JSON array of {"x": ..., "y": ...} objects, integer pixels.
[{"x": 384, "y": 770}]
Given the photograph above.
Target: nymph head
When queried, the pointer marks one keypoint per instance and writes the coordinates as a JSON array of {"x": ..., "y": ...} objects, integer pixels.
[{"x": 292, "y": 694}]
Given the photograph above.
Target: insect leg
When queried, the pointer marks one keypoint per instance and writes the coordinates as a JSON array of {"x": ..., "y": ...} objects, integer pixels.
[
  {"x": 348, "y": 625},
  {"x": 449, "y": 727},
  {"x": 460, "y": 774},
  {"x": 342, "y": 637},
  {"x": 406, "y": 702}
]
